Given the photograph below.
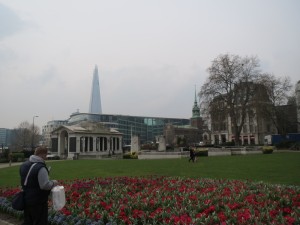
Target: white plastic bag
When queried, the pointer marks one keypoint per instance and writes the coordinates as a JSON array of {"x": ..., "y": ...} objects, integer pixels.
[{"x": 58, "y": 197}]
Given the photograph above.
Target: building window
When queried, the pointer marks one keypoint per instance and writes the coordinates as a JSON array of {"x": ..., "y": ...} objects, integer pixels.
[
  {"x": 246, "y": 140},
  {"x": 223, "y": 137},
  {"x": 72, "y": 144},
  {"x": 216, "y": 139}
]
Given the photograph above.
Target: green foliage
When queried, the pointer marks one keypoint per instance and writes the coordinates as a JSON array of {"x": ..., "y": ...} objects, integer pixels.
[
  {"x": 3, "y": 160},
  {"x": 229, "y": 143},
  {"x": 201, "y": 152},
  {"x": 267, "y": 149},
  {"x": 28, "y": 153},
  {"x": 6, "y": 156},
  {"x": 129, "y": 155},
  {"x": 17, "y": 157},
  {"x": 5, "y": 153}
]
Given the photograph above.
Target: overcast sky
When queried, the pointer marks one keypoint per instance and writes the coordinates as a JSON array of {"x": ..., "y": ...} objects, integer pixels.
[{"x": 150, "y": 53}]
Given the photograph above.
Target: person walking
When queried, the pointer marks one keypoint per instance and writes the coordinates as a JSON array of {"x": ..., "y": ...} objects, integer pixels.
[
  {"x": 37, "y": 189},
  {"x": 192, "y": 155}
]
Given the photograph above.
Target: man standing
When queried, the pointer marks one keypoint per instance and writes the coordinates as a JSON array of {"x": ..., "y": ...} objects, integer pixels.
[
  {"x": 192, "y": 155},
  {"x": 37, "y": 188}
]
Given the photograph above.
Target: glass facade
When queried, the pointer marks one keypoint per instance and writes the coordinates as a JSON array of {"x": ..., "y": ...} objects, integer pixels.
[
  {"x": 147, "y": 128},
  {"x": 5, "y": 137}
]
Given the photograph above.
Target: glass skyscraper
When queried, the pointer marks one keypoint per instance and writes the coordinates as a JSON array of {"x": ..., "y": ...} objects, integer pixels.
[{"x": 95, "y": 100}]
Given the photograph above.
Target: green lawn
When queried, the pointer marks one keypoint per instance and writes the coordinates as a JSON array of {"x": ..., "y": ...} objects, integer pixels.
[{"x": 276, "y": 168}]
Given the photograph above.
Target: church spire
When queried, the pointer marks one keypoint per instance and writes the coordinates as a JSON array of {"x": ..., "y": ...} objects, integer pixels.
[
  {"x": 195, "y": 96},
  {"x": 196, "y": 109}
]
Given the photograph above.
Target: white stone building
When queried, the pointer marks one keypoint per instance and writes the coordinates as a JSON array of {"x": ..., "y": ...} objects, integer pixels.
[{"x": 86, "y": 139}]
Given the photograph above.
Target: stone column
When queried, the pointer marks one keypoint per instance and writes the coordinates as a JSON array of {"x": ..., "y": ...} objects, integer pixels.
[
  {"x": 58, "y": 145},
  {"x": 108, "y": 143},
  {"x": 120, "y": 143},
  {"x": 83, "y": 144},
  {"x": 94, "y": 143},
  {"x": 77, "y": 144}
]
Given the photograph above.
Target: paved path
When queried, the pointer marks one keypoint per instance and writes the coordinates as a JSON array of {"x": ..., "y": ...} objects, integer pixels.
[
  {"x": 4, "y": 165},
  {"x": 2, "y": 222}
]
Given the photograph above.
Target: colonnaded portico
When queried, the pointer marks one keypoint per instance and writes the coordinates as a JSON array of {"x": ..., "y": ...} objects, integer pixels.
[{"x": 86, "y": 139}]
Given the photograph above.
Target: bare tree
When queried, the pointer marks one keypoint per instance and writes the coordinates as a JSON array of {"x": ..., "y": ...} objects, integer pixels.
[
  {"x": 23, "y": 135},
  {"x": 232, "y": 82},
  {"x": 278, "y": 92}
]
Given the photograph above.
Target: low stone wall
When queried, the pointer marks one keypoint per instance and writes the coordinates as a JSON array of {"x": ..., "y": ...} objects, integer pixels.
[
  {"x": 234, "y": 151},
  {"x": 162, "y": 155},
  {"x": 211, "y": 152},
  {"x": 245, "y": 151},
  {"x": 147, "y": 154},
  {"x": 218, "y": 152},
  {"x": 99, "y": 156}
]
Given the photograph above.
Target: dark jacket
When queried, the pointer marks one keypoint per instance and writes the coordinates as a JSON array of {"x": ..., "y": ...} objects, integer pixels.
[{"x": 34, "y": 195}]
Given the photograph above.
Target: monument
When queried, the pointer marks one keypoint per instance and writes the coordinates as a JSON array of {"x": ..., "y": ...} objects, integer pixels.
[
  {"x": 135, "y": 144},
  {"x": 161, "y": 143}
]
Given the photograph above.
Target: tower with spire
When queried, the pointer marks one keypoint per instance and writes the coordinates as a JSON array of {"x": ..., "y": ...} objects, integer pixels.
[
  {"x": 95, "y": 100},
  {"x": 196, "y": 109},
  {"x": 196, "y": 120}
]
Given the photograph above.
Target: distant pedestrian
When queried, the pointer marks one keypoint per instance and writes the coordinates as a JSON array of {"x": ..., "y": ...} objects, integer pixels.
[{"x": 192, "y": 155}]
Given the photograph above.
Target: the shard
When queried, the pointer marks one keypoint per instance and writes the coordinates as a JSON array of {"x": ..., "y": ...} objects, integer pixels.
[{"x": 95, "y": 101}]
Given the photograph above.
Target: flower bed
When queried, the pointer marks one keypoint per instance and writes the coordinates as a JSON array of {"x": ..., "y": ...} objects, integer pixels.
[{"x": 167, "y": 200}]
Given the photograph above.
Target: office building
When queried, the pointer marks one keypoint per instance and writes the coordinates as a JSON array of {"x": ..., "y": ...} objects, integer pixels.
[{"x": 5, "y": 135}]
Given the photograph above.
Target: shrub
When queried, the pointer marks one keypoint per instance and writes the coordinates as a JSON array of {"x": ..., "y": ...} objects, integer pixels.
[
  {"x": 14, "y": 157},
  {"x": 28, "y": 153},
  {"x": 267, "y": 149},
  {"x": 3, "y": 160},
  {"x": 17, "y": 157},
  {"x": 53, "y": 157},
  {"x": 129, "y": 155},
  {"x": 228, "y": 143},
  {"x": 5, "y": 153}
]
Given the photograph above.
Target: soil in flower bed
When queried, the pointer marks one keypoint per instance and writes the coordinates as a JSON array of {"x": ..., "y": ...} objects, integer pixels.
[{"x": 10, "y": 219}]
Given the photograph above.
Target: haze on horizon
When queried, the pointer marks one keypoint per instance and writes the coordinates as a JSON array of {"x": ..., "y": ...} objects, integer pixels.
[{"x": 150, "y": 54}]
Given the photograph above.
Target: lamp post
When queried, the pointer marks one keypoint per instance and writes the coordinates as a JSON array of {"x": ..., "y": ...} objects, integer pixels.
[{"x": 32, "y": 140}]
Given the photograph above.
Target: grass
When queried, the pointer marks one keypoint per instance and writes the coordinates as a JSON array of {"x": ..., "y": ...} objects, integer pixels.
[{"x": 276, "y": 168}]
